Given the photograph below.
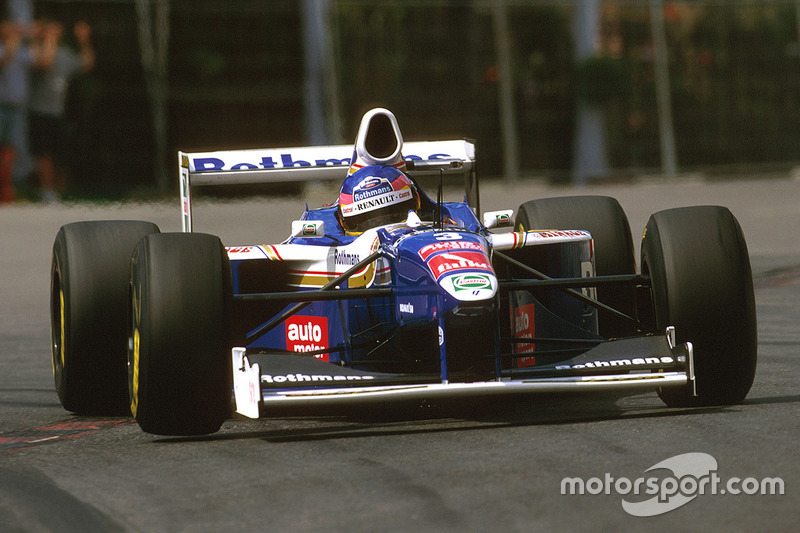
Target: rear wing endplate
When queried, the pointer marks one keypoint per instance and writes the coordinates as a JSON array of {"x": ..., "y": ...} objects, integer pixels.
[{"x": 275, "y": 165}]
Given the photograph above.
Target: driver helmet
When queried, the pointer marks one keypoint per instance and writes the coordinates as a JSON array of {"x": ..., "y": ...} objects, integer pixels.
[{"x": 374, "y": 196}]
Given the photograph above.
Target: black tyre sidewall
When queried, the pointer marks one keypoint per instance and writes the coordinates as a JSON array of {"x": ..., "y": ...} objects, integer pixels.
[
  {"x": 90, "y": 266},
  {"x": 180, "y": 377},
  {"x": 701, "y": 283}
]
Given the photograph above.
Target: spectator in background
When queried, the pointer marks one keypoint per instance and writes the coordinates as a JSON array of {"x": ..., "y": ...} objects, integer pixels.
[
  {"x": 52, "y": 67},
  {"x": 15, "y": 61}
]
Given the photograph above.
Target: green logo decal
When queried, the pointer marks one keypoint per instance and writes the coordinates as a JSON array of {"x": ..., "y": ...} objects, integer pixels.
[{"x": 471, "y": 282}]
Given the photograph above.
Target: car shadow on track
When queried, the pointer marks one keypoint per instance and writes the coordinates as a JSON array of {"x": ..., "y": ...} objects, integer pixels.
[
  {"x": 768, "y": 400},
  {"x": 439, "y": 417}
]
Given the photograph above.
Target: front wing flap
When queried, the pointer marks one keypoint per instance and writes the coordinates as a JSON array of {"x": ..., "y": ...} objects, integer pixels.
[{"x": 264, "y": 380}]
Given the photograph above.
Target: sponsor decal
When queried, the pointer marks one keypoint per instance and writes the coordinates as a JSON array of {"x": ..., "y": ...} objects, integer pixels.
[
  {"x": 344, "y": 258},
  {"x": 449, "y": 262},
  {"x": 245, "y": 252},
  {"x": 524, "y": 326},
  {"x": 452, "y": 253},
  {"x": 309, "y": 229},
  {"x": 471, "y": 282},
  {"x": 427, "y": 251},
  {"x": 310, "y": 378},
  {"x": 375, "y": 202},
  {"x": 370, "y": 187},
  {"x": 637, "y": 361},
  {"x": 239, "y": 249},
  {"x": 503, "y": 219},
  {"x": 202, "y": 164},
  {"x": 209, "y": 163},
  {"x": 469, "y": 287},
  {"x": 307, "y": 334},
  {"x": 417, "y": 305},
  {"x": 557, "y": 234}
]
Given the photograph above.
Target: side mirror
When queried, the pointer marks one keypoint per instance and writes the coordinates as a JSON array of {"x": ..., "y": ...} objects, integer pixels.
[
  {"x": 498, "y": 219},
  {"x": 308, "y": 228}
]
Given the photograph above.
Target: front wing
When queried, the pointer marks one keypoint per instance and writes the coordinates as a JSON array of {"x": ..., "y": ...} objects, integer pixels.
[{"x": 269, "y": 380}]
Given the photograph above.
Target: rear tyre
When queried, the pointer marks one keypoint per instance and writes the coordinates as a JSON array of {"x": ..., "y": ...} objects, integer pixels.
[
  {"x": 701, "y": 283},
  {"x": 180, "y": 376},
  {"x": 88, "y": 309},
  {"x": 604, "y": 218}
]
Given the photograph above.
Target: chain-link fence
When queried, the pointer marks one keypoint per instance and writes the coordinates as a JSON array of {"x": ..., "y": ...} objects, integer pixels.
[{"x": 501, "y": 72}]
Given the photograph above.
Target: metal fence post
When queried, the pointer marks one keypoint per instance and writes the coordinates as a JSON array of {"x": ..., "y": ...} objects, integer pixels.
[
  {"x": 669, "y": 165},
  {"x": 508, "y": 114},
  {"x": 589, "y": 157}
]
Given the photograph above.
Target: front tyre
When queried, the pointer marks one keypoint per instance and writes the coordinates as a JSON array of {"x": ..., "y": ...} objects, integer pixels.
[
  {"x": 604, "y": 218},
  {"x": 180, "y": 376},
  {"x": 88, "y": 302},
  {"x": 701, "y": 283}
]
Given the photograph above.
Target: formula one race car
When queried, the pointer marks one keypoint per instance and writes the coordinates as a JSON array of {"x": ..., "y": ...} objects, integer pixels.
[{"x": 388, "y": 294}]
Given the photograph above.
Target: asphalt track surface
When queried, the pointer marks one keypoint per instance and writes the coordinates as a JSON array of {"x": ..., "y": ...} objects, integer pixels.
[{"x": 488, "y": 466}]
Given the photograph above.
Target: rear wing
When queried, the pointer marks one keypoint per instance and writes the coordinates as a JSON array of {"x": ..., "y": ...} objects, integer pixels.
[{"x": 276, "y": 165}]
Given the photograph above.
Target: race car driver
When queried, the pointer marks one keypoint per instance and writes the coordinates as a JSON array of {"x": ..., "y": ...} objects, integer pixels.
[{"x": 374, "y": 196}]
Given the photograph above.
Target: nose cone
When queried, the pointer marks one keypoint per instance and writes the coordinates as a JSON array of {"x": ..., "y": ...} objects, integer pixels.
[{"x": 460, "y": 264}]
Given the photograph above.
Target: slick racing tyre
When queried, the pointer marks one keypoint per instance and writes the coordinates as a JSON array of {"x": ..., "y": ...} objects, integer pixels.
[
  {"x": 88, "y": 308},
  {"x": 180, "y": 376},
  {"x": 701, "y": 283},
  {"x": 604, "y": 218}
]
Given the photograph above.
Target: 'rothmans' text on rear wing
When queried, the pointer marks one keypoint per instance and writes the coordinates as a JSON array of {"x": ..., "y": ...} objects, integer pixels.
[{"x": 274, "y": 165}]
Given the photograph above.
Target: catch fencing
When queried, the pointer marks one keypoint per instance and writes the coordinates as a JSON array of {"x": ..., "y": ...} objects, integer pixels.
[{"x": 661, "y": 87}]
